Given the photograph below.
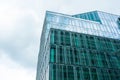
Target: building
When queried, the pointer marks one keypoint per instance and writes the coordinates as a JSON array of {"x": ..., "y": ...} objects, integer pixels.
[{"x": 80, "y": 47}]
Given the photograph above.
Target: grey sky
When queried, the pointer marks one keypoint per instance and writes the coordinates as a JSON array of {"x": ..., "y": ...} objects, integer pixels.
[{"x": 20, "y": 28}]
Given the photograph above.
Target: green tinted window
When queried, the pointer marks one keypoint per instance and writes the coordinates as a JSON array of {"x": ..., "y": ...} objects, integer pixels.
[
  {"x": 86, "y": 74},
  {"x": 70, "y": 73},
  {"x": 62, "y": 38},
  {"x": 67, "y": 38},
  {"x": 53, "y": 54},
  {"x": 94, "y": 74},
  {"x": 52, "y": 37}
]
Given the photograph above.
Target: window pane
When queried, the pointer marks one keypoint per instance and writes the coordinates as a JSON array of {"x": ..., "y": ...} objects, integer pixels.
[{"x": 53, "y": 54}]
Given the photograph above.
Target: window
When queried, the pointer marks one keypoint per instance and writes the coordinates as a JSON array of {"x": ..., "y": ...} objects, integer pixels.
[
  {"x": 65, "y": 72},
  {"x": 67, "y": 50},
  {"x": 71, "y": 55},
  {"x": 75, "y": 40},
  {"x": 112, "y": 75},
  {"x": 86, "y": 74},
  {"x": 60, "y": 54},
  {"x": 82, "y": 41},
  {"x": 76, "y": 56},
  {"x": 53, "y": 72},
  {"x": 70, "y": 73},
  {"x": 93, "y": 58},
  {"x": 78, "y": 70},
  {"x": 99, "y": 58},
  {"x": 94, "y": 74},
  {"x": 53, "y": 54},
  {"x": 56, "y": 37},
  {"x": 82, "y": 58},
  {"x": 60, "y": 72},
  {"x": 62, "y": 38},
  {"x": 117, "y": 74},
  {"x": 90, "y": 42},
  {"x": 67, "y": 38},
  {"x": 52, "y": 37},
  {"x": 105, "y": 74}
]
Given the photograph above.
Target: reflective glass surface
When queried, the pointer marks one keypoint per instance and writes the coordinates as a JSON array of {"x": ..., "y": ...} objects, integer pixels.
[
  {"x": 86, "y": 57},
  {"x": 79, "y": 47}
]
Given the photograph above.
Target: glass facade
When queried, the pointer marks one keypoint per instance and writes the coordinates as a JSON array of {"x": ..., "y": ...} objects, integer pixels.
[
  {"x": 79, "y": 47},
  {"x": 77, "y": 56},
  {"x": 89, "y": 16}
]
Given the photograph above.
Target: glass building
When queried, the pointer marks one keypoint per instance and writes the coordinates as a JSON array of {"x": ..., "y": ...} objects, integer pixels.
[{"x": 79, "y": 47}]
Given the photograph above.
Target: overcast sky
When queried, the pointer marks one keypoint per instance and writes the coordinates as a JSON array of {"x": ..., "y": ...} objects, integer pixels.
[{"x": 20, "y": 28}]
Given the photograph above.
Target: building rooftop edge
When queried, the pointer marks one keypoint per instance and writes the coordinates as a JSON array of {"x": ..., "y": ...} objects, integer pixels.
[
  {"x": 71, "y": 16},
  {"x": 81, "y": 13}
]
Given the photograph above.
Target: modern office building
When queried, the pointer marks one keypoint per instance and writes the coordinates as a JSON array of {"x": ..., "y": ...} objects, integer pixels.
[{"x": 80, "y": 47}]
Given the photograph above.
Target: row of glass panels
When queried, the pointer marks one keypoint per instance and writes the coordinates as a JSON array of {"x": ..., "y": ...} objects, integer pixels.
[
  {"x": 78, "y": 25},
  {"x": 67, "y": 72},
  {"x": 89, "y": 16},
  {"x": 97, "y": 30},
  {"x": 86, "y": 57},
  {"x": 61, "y": 37}
]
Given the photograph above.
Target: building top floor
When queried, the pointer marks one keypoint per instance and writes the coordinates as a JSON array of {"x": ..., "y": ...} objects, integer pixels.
[{"x": 95, "y": 23}]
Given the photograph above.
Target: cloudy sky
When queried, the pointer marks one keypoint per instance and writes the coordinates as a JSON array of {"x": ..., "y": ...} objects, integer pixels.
[{"x": 20, "y": 28}]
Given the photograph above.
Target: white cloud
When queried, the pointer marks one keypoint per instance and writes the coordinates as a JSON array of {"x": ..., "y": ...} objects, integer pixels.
[
  {"x": 10, "y": 15},
  {"x": 10, "y": 70},
  {"x": 19, "y": 33}
]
